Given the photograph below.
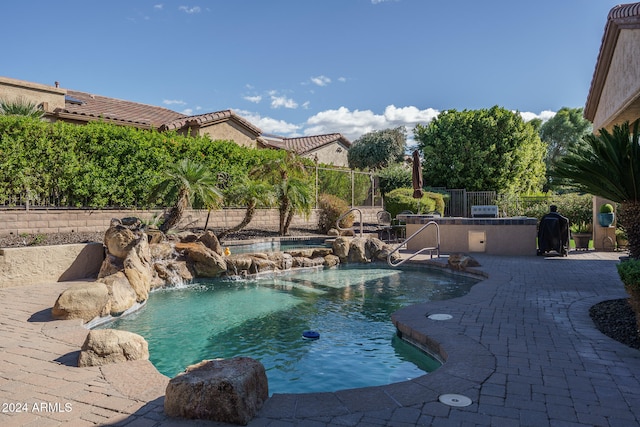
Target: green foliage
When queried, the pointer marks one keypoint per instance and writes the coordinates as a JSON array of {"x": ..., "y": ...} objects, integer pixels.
[
  {"x": 608, "y": 165},
  {"x": 394, "y": 176},
  {"x": 492, "y": 150},
  {"x": 401, "y": 199},
  {"x": 629, "y": 272},
  {"x": 581, "y": 227},
  {"x": 576, "y": 207},
  {"x": 20, "y": 107},
  {"x": 606, "y": 208},
  {"x": 562, "y": 132},
  {"x": 331, "y": 208},
  {"x": 187, "y": 183},
  {"x": 100, "y": 165},
  {"x": 378, "y": 149},
  {"x": 338, "y": 183}
]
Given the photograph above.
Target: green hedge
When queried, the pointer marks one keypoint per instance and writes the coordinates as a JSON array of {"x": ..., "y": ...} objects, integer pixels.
[
  {"x": 103, "y": 165},
  {"x": 401, "y": 199}
]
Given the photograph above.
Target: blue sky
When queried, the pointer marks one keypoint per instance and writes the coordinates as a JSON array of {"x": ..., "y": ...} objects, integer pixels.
[{"x": 301, "y": 67}]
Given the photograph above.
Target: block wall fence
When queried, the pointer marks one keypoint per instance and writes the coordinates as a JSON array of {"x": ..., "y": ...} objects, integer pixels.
[{"x": 49, "y": 221}]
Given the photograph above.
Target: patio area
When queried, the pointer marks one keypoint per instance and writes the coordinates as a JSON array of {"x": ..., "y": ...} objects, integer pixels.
[{"x": 520, "y": 346}]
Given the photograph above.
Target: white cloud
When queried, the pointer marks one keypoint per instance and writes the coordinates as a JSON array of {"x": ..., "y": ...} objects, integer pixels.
[
  {"x": 255, "y": 99},
  {"x": 189, "y": 10},
  {"x": 342, "y": 79},
  {"x": 187, "y": 111},
  {"x": 320, "y": 80},
  {"x": 544, "y": 115},
  {"x": 268, "y": 124},
  {"x": 282, "y": 101},
  {"x": 353, "y": 124},
  {"x": 158, "y": 6},
  {"x": 173, "y": 102}
]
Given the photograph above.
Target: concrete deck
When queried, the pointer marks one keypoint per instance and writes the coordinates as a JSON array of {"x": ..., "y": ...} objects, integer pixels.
[{"x": 521, "y": 346}]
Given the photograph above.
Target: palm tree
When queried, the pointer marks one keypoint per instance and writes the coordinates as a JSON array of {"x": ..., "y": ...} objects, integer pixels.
[
  {"x": 296, "y": 198},
  {"x": 187, "y": 181},
  {"x": 608, "y": 165},
  {"x": 20, "y": 107},
  {"x": 288, "y": 176},
  {"x": 248, "y": 193}
]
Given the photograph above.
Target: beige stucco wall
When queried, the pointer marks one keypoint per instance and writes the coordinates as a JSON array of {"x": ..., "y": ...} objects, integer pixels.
[
  {"x": 502, "y": 236},
  {"x": 231, "y": 131},
  {"x": 331, "y": 154},
  {"x": 41, "y": 264},
  {"x": 12, "y": 90},
  {"x": 620, "y": 96}
]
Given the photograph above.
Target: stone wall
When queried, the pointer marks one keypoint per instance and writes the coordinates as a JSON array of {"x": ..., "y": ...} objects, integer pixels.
[{"x": 47, "y": 221}]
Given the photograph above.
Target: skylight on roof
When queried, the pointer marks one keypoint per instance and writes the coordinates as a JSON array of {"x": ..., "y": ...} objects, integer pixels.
[{"x": 72, "y": 100}]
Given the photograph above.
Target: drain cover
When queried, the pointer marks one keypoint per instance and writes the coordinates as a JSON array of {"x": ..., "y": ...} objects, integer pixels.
[
  {"x": 440, "y": 316},
  {"x": 454, "y": 400}
]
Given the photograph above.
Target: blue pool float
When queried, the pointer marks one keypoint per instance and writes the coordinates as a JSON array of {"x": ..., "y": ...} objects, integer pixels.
[{"x": 310, "y": 335}]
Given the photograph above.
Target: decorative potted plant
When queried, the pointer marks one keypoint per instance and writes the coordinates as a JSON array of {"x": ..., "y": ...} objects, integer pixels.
[
  {"x": 621, "y": 238},
  {"x": 606, "y": 215},
  {"x": 581, "y": 233},
  {"x": 629, "y": 271}
]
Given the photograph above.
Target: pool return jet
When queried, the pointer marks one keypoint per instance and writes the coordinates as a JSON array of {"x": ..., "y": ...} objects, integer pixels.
[{"x": 431, "y": 249}]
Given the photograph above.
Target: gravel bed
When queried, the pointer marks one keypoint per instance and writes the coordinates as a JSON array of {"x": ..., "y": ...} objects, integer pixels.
[{"x": 614, "y": 318}]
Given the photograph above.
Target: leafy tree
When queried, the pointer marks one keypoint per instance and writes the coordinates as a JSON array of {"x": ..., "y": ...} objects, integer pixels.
[
  {"x": 563, "y": 131},
  {"x": 290, "y": 180},
  {"x": 187, "y": 182},
  {"x": 377, "y": 149},
  {"x": 479, "y": 150},
  {"x": 608, "y": 165},
  {"x": 397, "y": 175},
  {"x": 251, "y": 194},
  {"x": 20, "y": 107}
]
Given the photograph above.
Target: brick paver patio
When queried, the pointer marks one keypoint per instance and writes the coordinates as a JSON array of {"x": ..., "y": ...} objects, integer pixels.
[{"x": 521, "y": 346}]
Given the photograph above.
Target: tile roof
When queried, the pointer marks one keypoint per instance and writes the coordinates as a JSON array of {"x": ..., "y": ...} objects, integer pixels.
[
  {"x": 305, "y": 144},
  {"x": 209, "y": 119},
  {"x": 85, "y": 106}
]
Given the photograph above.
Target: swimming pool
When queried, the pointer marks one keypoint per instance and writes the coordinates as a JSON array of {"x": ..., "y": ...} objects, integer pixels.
[{"x": 350, "y": 307}]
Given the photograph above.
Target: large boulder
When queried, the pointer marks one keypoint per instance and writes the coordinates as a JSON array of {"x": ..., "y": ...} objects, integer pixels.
[
  {"x": 85, "y": 301},
  {"x": 121, "y": 295},
  {"x": 211, "y": 241},
  {"x": 138, "y": 269},
  {"x": 224, "y": 390},
  {"x": 357, "y": 250},
  {"x": 340, "y": 247},
  {"x": 105, "y": 346},
  {"x": 283, "y": 260},
  {"x": 205, "y": 262},
  {"x": 119, "y": 240}
]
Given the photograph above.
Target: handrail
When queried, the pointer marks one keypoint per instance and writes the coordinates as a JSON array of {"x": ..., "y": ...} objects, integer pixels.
[
  {"x": 350, "y": 228},
  {"x": 431, "y": 249}
]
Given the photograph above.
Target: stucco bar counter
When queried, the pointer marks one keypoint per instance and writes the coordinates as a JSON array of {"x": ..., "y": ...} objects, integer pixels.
[{"x": 494, "y": 236}]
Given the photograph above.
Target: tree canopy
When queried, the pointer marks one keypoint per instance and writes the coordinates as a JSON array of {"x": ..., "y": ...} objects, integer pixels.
[
  {"x": 377, "y": 149},
  {"x": 561, "y": 133},
  {"x": 488, "y": 149}
]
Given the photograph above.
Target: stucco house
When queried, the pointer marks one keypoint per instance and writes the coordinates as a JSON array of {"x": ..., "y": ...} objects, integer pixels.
[
  {"x": 329, "y": 149},
  {"x": 81, "y": 107},
  {"x": 614, "y": 96}
]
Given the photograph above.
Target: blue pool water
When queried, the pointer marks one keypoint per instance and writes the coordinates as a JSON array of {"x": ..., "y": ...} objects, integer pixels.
[{"x": 350, "y": 307}]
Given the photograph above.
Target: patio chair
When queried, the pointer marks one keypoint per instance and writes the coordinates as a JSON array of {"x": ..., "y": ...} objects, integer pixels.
[{"x": 384, "y": 225}]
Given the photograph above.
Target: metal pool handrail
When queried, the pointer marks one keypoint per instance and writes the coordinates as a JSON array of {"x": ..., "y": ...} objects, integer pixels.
[
  {"x": 430, "y": 249},
  {"x": 344, "y": 215}
]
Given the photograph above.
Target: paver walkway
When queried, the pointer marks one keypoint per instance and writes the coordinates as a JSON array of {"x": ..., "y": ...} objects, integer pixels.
[{"x": 520, "y": 346}]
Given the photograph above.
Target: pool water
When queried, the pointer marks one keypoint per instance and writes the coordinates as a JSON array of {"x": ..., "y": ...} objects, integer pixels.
[{"x": 350, "y": 307}]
